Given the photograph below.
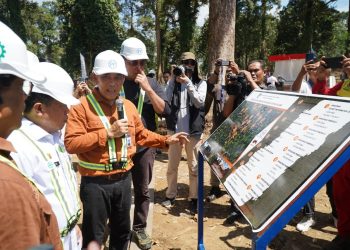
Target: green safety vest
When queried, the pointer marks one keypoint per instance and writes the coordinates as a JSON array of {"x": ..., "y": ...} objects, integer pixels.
[
  {"x": 72, "y": 219},
  {"x": 111, "y": 143}
]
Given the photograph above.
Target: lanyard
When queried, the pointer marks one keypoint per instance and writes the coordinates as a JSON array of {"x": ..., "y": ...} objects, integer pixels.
[
  {"x": 111, "y": 142},
  {"x": 140, "y": 101}
]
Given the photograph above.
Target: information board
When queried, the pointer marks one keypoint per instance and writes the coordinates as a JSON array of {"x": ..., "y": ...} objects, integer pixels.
[{"x": 273, "y": 146}]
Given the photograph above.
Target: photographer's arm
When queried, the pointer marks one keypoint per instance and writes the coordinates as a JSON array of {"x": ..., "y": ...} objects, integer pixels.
[
  {"x": 250, "y": 80},
  {"x": 297, "y": 82},
  {"x": 197, "y": 95}
]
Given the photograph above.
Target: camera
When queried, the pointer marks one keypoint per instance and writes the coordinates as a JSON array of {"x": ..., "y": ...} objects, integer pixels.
[
  {"x": 222, "y": 63},
  {"x": 333, "y": 62},
  {"x": 179, "y": 70},
  {"x": 237, "y": 84}
]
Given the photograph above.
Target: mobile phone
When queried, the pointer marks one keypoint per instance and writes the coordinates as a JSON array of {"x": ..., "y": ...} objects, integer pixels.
[
  {"x": 334, "y": 62},
  {"x": 310, "y": 57}
]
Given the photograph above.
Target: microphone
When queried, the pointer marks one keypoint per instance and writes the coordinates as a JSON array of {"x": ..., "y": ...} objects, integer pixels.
[{"x": 120, "y": 108}]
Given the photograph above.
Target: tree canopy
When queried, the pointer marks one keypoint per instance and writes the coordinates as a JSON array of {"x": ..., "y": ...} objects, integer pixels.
[{"x": 59, "y": 30}]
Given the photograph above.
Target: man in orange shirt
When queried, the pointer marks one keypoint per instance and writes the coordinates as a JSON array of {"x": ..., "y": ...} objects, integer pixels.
[{"x": 103, "y": 131}]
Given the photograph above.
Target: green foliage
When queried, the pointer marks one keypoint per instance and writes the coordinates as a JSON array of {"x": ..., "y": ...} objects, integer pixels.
[
  {"x": 255, "y": 30},
  {"x": 39, "y": 25},
  {"x": 94, "y": 27},
  {"x": 138, "y": 19},
  {"x": 304, "y": 24},
  {"x": 201, "y": 46},
  {"x": 43, "y": 31},
  {"x": 13, "y": 17},
  {"x": 336, "y": 44}
]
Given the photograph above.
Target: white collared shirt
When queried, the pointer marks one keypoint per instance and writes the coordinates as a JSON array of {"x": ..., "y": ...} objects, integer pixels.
[{"x": 48, "y": 164}]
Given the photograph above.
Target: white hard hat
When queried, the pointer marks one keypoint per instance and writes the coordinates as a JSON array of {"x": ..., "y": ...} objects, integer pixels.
[
  {"x": 109, "y": 61},
  {"x": 59, "y": 85},
  {"x": 133, "y": 49},
  {"x": 33, "y": 60},
  {"x": 13, "y": 56}
]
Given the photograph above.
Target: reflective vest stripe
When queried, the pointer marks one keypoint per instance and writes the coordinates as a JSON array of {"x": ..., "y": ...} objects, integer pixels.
[
  {"x": 140, "y": 102},
  {"x": 111, "y": 143},
  {"x": 54, "y": 179},
  {"x": 98, "y": 166}
]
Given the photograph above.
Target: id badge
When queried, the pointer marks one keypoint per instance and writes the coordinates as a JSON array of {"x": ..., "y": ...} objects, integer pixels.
[{"x": 128, "y": 141}]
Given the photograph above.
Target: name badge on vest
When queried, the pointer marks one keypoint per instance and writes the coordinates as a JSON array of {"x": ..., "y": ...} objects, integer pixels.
[
  {"x": 52, "y": 164},
  {"x": 128, "y": 141}
]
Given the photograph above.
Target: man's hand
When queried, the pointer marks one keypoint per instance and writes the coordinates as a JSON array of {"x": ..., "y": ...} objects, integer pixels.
[
  {"x": 249, "y": 78},
  {"x": 142, "y": 80},
  {"x": 79, "y": 237},
  {"x": 118, "y": 129},
  {"x": 234, "y": 67},
  {"x": 178, "y": 137},
  {"x": 346, "y": 65},
  {"x": 82, "y": 89},
  {"x": 183, "y": 79}
]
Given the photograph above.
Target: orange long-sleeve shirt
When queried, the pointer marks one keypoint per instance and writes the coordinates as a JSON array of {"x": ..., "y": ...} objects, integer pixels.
[{"x": 87, "y": 137}]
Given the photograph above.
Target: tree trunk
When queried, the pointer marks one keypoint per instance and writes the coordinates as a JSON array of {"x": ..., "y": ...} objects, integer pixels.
[
  {"x": 159, "y": 8},
  {"x": 221, "y": 41},
  {"x": 263, "y": 29}
]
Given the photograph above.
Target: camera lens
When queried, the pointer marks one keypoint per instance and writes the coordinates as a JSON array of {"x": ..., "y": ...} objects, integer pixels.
[{"x": 178, "y": 71}]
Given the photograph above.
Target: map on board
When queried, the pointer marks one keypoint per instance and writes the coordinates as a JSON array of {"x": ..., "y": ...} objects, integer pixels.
[{"x": 273, "y": 145}]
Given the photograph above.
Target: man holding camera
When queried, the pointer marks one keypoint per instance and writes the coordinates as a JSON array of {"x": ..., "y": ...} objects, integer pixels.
[
  {"x": 217, "y": 95},
  {"x": 150, "y": 99},
  {"x": 186, "y": 94}
]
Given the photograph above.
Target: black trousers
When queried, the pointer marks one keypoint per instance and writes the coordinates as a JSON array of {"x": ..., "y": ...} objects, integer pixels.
[
  {"x": 141, "y": 178},
  {"x": 309, "y": 208},
  {"x": 106, "y": 199}
]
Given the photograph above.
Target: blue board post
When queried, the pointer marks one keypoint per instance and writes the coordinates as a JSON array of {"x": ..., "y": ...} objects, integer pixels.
[{"x": 200, "y": 200}]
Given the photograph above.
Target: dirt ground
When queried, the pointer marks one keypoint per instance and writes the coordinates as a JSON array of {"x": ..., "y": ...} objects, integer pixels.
[{"x": 175, "y": 229}]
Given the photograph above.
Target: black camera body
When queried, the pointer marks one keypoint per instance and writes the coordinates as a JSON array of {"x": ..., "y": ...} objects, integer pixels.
[
  {"x": 237, "y": 84},
  {"x": 179, "y": 70}
]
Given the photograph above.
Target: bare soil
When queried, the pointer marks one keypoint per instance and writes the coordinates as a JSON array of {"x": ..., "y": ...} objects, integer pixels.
[{"x": 177, "y": 229}]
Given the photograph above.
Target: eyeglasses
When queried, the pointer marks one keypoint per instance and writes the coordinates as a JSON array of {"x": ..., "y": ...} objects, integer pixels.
[
  {"x": 134, "y": 63},
  {"x": 189, "y": 62}
]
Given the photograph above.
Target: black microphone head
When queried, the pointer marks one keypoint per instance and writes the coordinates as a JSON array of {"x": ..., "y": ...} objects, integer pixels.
[{"x": 120, "y": 109}]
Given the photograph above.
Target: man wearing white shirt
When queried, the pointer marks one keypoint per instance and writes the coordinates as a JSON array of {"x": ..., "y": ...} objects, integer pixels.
[{"x": 41, "y": 154}]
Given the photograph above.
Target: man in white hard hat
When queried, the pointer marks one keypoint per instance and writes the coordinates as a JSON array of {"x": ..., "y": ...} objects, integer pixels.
[
  {"x": 26, "y": 218},
  {"x": 41, "y": 154},
  {"x": 103, "y": 131},
  {"x": 150, "y": 99}
]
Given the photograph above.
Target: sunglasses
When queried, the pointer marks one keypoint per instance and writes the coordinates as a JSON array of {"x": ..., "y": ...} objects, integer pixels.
[
  {"x": 137, "y": 62},
  {"x": 189, "y": 62}
]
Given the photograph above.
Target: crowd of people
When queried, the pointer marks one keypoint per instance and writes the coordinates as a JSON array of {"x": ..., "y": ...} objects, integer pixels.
[{"x": 45, "y": 118}]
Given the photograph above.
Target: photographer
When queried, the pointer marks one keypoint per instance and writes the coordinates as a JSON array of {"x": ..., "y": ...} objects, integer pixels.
[
  {"x": 186, "y": 94},
  {"x": 217, "y": 95}
]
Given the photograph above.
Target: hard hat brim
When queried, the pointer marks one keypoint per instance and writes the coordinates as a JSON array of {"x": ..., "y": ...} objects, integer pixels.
[
  {"x": 136, "y": 57},
  {"x": 66, "y": 99},
  {"x": 22, "y": 72},
  {"x": 107, "y": 71}
]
